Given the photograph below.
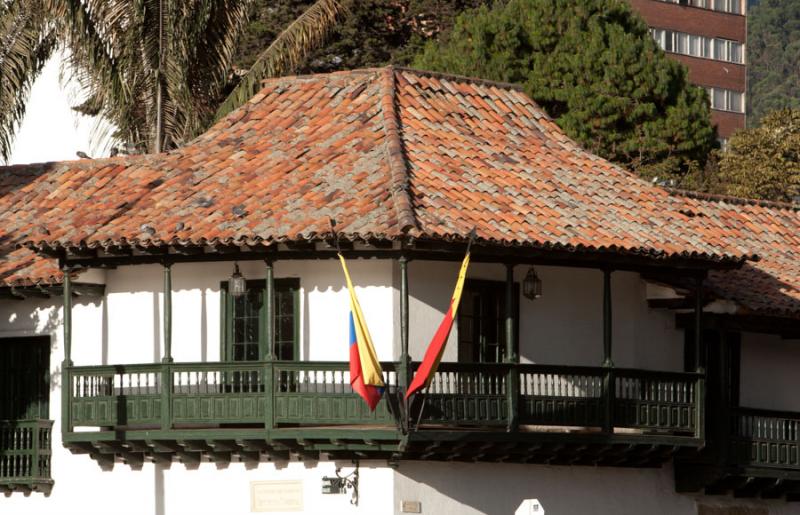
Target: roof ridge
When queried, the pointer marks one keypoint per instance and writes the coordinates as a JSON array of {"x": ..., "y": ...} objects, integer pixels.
[
  {"x": 399, "y": 180},
  {"x": 461, "y": 78},
  {"x": 742, "y": 201}
]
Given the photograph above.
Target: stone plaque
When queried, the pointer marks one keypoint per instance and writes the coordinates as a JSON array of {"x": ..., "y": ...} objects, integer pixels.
[{"x": 276, "y": 496}]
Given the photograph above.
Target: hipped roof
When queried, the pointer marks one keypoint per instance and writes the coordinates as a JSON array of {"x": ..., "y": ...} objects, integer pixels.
[{"x": 390, "y": 153}]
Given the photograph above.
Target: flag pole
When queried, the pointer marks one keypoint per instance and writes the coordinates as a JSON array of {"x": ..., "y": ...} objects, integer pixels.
[
  {"x": 470, "y": 239},
  {"x": 335, "y": 235}
]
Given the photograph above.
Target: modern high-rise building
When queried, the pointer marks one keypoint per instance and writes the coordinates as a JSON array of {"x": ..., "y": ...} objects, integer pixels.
[{"x": 708, "y": 36}]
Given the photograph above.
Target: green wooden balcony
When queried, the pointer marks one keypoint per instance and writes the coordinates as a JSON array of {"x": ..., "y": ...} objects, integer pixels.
[
  {"x": 756, "y": 454},
  {"x": 480, "y": 412},
  {"x": 763, "y": 438},
  {"x": 25, "y": 456}
]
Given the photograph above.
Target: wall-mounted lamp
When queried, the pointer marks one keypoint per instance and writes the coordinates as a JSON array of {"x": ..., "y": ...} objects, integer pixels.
[
  {"x": 342, "y": 483},
  {"x": 532, "y": 285},
  {"x": 237, "y": 285}
]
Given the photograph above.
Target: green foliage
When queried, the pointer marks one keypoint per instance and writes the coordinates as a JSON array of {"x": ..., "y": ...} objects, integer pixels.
[
  {"x": 287, "y": 50},
  {"x": 374, "y": 32},
  {"x": 773, "y": 54},
  {"x": 592, "y": 65},
  {"x": 764, "y": 162},
  {"x": 27, "y": 44},
  {"x": 156, "y": 70}
]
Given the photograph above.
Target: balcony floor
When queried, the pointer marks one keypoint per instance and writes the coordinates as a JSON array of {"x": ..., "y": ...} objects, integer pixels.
[{"x": 564, "y": 446}]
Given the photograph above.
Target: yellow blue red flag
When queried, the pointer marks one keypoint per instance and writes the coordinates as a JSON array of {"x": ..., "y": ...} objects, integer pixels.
[
  {"x": 366, "y": 375},
  {"x": 433, "y": 355}
]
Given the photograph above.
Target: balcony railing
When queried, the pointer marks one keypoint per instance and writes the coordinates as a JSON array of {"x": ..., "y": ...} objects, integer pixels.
[
  {"x": 551, "y": 395},
  {"x": 763, "y": 438},
  {"x": 25, "y": 455},
  {"x": 310, "y": 393}
]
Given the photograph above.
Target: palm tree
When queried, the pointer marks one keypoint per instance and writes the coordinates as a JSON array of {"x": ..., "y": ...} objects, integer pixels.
[
  {"x": 26, "y": 42},
  {"x": 160, "y": 71}
]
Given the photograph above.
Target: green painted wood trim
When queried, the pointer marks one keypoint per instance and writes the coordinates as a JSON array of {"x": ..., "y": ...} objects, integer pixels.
[
  {"x": 607, "y": 319},
  {"x": 224, "y": 325},
  {"x": 698, "y": 324},
  {"x": 67, "y": 307},
  {"x": 404, "y": 369},
  {"x": 608, "y": 363},
  {"x": 268, "y": 322},
  {"x": 226, "y": 316},
  {"x": 404, "y": 355},
  {"x": 269, "y": 394},
  {"x": 25, "y": 451},
  {"x": 166, "y": 396},
  {"x": 167, "y": 316},
  {"x": 512, "y": 355},
  {"x": 283, "y": 394},
  {"x": 66, "y": 378}
]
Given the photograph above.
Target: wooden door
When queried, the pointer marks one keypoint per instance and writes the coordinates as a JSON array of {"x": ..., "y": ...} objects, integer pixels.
[{"x": 24, "y": 378}]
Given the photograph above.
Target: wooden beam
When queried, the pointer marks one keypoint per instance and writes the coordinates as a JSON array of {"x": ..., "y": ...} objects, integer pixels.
[
  {"x": 678, "y": 303},
  {"x": 436, "y": 251}
]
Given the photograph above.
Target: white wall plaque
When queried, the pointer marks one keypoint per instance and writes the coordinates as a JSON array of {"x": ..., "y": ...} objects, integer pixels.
[{"x": 276, "y": 496}]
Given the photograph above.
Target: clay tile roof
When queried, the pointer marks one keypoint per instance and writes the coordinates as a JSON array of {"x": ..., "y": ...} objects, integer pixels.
[
  {"x": 21, "y": 266},
  {"x": 387, "y": 152},
  {"x": 770, "y": 286}
]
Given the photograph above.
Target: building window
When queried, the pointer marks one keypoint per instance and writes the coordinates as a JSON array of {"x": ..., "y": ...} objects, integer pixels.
[
  {"x": 244, "y": 316},
  {"x": 481, "y": 322},
  {"x": 726, "y": 6},
  {"x": 726, "y": 100},
  {"x": 699, "y": 46}
]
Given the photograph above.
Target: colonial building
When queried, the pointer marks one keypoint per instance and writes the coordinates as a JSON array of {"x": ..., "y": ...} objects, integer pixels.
[
  {"x": 174, "y": 327},
  {"x": 708, "y": 37}
]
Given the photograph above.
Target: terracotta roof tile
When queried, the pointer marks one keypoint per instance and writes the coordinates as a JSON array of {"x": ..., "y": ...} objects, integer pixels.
[
  {"x": 387, "y": 152},
  {"x": 770, "y": 286}
]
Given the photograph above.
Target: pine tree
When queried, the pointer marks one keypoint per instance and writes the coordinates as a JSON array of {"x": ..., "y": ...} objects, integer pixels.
[{"x": 592, "y": 65}]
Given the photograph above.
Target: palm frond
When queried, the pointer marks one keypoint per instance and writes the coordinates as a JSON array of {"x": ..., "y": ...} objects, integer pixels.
[
  {"x": 287, "y": 51},
  {"x": 27, "y": 43}
]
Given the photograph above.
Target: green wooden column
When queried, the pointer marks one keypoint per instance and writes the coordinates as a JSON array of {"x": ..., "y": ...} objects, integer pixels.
[
  {"x": 404, "y": 355},
  {"x": 700, "y": 389},
  {"x": 608, "y": 363},
  {"x": 167, "y": 316},
  {"x": 404, "y": 372},
  {"x": 512, "y": 353},
  {"x": 166, "y": 360},
  {"x": 66, "y": 372},
  {"x": 698, "y": 325},
  {"x": 269, "y": 311},
  {"x": 269, "y": 341}
]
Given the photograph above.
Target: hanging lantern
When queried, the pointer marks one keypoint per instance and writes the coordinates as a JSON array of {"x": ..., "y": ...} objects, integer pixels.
[
  {"x": 532, "y": 285},
  {"x": 237, "y": 285}
]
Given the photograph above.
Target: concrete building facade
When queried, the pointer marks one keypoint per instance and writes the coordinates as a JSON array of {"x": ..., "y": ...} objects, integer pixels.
[{"x": 709, "y": 37}]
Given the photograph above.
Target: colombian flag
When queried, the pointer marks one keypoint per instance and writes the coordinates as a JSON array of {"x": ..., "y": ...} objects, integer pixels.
[
  {"x": 366, "y": 376},
  {"x": 436, "y": 347}
]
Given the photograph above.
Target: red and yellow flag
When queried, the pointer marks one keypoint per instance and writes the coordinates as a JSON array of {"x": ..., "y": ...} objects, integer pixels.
[
  {"x": 435, "y": 350},
  {"x": 366, "y": 375}
]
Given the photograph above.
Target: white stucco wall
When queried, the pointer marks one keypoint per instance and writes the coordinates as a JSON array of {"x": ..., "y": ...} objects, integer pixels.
[
  {"x": 487, "y": 488},
  {"x": 133, "y": 314},
  {"x": 565, "y": 325},
  {"x": 769, "y": 372}
]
